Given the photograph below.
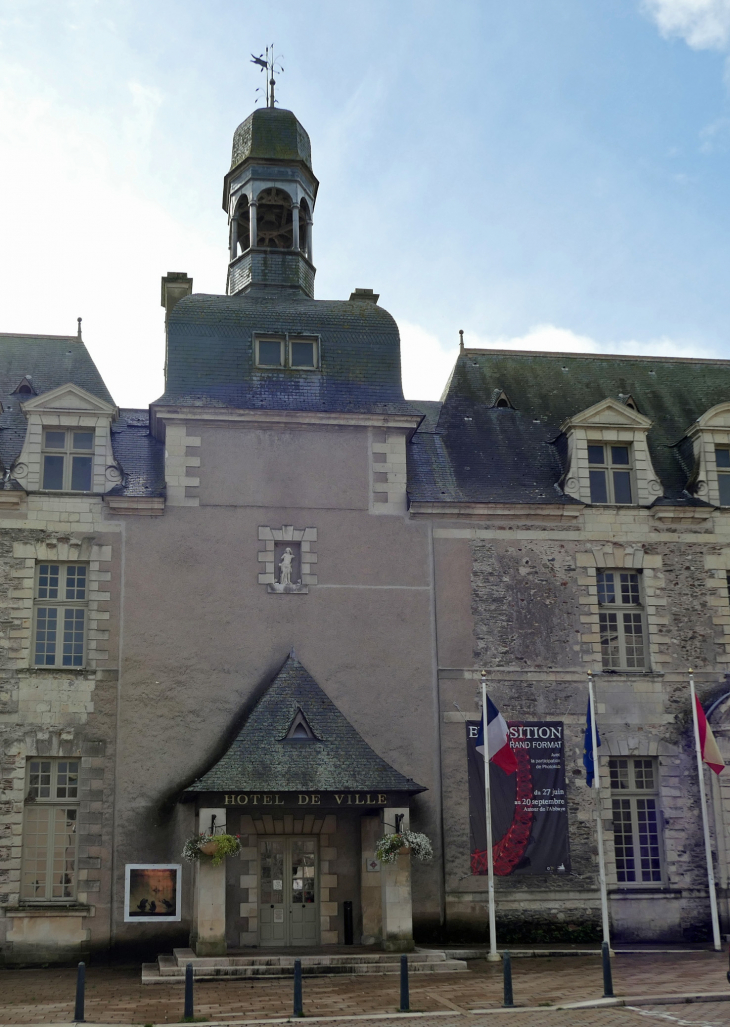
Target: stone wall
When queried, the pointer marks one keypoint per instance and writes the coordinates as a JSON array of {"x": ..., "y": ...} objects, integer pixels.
[{"x": 533, "y": 604}]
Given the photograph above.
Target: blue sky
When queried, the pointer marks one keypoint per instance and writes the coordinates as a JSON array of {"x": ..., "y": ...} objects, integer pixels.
[{"x": 548, "y": 174}]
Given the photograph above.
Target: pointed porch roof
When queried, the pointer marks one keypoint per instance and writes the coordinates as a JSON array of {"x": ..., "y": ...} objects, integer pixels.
[{"x": 262, "y": 758}]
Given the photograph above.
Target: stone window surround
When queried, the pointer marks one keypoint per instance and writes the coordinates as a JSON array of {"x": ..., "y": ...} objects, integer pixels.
[
  {"x": 613, "y": 557},
  {"x": 671, "y": 803},
  {"x": 606, "y": 422},
  {"x": 287, "y": 533},
  {"x": 289, "y": 825},
  {"x": 59, "y": 743},
  {"x": 63, "y": 550}
]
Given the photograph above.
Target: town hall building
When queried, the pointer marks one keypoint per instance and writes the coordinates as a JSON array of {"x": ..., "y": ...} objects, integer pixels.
[{"x": 265, "y": 605}]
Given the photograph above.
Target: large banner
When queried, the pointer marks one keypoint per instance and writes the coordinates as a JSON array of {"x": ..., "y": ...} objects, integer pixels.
[{"x": 529, "y": 809}]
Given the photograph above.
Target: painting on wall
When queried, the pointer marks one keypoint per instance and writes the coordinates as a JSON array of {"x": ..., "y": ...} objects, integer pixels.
[{"x": 152, "y": 892}]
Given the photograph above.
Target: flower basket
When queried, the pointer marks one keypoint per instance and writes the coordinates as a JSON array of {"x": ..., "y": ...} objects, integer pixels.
[
  {"x": 391, "y": 846},
  {"x": 215, "y": 847}
]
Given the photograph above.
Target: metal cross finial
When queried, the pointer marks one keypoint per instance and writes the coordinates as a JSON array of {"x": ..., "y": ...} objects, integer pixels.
[{"x": 270, "y": 64}]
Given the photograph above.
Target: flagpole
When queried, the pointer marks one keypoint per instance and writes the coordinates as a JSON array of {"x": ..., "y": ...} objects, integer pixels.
[
  {"x": 493, "y": 954},
  {"x": 705, "y": 822},
  {"x": 599, "y": 824}
]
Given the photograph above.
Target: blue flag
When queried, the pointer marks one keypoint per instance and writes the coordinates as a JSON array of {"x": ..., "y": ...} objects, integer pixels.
[{"x": 588, "y": 754}]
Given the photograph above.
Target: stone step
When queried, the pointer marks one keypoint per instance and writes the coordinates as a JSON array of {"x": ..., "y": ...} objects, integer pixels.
[
  {"x": 167, "y": 970},
  {"x": 181, "y": 957}
]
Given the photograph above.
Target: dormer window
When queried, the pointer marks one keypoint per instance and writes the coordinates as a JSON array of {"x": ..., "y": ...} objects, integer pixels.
[
  {"x": 610, "y": 473},
  {"x": 298, "y": 352},
  {"x": 67, "y": 460}
]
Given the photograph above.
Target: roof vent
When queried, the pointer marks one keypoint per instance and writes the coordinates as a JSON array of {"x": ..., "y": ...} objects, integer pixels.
[
  {"x": 24, "y": 387},
  {"x": 501, "y": 399},
  {"x": 365, "y": 294},
  {"x": 299, "y": 729},
  {"x": 628, "y": 401}
]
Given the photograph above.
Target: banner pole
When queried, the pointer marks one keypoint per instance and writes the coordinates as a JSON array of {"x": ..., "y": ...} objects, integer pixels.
[
  {"x": 705, "y": 823},
  {"x": 493, "y": 954},
  {"x": 599, "y": 820}
]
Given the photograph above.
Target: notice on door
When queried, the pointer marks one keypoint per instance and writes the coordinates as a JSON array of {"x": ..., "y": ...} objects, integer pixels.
[{"x": 529, "y": 809}]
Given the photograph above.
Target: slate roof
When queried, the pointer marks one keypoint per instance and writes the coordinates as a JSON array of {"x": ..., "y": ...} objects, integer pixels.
[
  {"x": 141, "y": 457},
  {"x": 480, "y": 453},
  {"x": 260, "y": 759},
  {"x": 48, "y": 361},
  {"x": 210, "y": 355},
  {"x": 271, "y": 133}
]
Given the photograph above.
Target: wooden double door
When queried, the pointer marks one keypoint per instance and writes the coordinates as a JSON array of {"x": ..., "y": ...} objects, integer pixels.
[{"x": 288, "y": 891}]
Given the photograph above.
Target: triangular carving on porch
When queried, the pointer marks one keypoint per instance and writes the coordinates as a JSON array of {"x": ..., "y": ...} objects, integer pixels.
[
  {"x": 299, "y": 729},
  {"x": 337, "y": 758}
]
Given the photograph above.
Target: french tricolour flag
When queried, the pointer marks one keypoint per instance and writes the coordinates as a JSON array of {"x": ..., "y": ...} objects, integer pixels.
[
  {"x": 708, "y": 746},
  {"x": 500, "y": 750}
]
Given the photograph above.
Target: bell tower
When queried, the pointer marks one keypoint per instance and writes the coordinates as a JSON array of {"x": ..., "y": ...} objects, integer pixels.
[{"x": 269, "y": 196}]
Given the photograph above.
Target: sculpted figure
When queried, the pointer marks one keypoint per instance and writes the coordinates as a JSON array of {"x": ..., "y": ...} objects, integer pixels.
[{"x": 285, "y": 565}]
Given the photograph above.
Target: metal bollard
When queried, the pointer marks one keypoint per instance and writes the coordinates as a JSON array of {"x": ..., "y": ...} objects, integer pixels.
[
  {"x": 80, "y": 989},
  {"x": 189, "y": 1007},
  {"x": 349, "y": 932},
  {"x": 405, "y": 999},
  {"x": 298, "y": 1008},
  {"x": 507, "y": 972},
  {"x": 607, "y": 978}
]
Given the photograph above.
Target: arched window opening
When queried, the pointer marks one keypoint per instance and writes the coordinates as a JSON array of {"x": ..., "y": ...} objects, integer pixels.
[
  {"x": 240, "y": 228},
  {"x": 274, "y": 220},
  {"x": 305, "y": 229}
]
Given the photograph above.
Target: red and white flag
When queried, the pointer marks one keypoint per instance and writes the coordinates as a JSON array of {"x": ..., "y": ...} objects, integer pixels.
[{"x": 708, "y": 746}]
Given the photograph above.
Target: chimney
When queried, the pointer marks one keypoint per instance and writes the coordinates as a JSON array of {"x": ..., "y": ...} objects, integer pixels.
[
  {"x": 364, "y": 294},
  {"x": 175, "y": 286}
]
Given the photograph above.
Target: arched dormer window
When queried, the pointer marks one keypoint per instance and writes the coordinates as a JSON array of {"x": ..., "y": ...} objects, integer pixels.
[{"x": 300, "y": 729}]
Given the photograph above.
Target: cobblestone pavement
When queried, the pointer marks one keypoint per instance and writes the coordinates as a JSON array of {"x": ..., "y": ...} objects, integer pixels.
[{"x": 117, "y": 996}]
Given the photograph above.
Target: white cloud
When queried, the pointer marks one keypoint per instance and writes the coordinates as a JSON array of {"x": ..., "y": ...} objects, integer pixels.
[
  {"x": 703, "y": 24},
  {"x": 87, "y": 238},
  {"x": 427, "y": 363}
]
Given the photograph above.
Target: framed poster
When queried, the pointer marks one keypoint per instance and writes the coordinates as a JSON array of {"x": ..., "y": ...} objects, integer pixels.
[{"x": 152, "y": 892}]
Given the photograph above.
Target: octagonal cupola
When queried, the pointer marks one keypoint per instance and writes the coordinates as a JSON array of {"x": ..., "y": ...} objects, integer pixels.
[{"x": 269, "y": 196}]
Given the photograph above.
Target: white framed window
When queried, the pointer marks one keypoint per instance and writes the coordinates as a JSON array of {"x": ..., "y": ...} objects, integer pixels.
[
  {"x": 67, "y": 459},
  {"x": 50, "y": 840},
  {"x": 621, "y": 620},
  {"x": 270, "y": 350},
  {"x": 60, "y": 615},
  {"x": 722, "y": 463},
  {"x": 303, "y": 352},
  {"x": 636, "y": 835},
  {"x": 610, "y": 470},
  {"x": 298, "y": 352}
]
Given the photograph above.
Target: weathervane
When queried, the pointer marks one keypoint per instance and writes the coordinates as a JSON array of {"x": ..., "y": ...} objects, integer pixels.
[{"x": 270, "y": 64}]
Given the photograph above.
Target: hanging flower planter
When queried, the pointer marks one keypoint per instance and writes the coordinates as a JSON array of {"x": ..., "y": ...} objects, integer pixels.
[
  {"x": 213, "y": 847},
  {"x": 391, "y": 846}
]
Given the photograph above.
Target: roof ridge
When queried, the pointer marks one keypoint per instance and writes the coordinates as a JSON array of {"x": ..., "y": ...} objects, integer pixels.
[
  {"x": 597, "y": 356},
  {"x": 35, "y": 335}
]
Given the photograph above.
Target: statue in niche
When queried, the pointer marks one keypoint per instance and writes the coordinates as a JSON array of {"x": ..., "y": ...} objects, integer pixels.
[
  {"x": 285, "y": 566},
  {"x": 287, "y": 569}
]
